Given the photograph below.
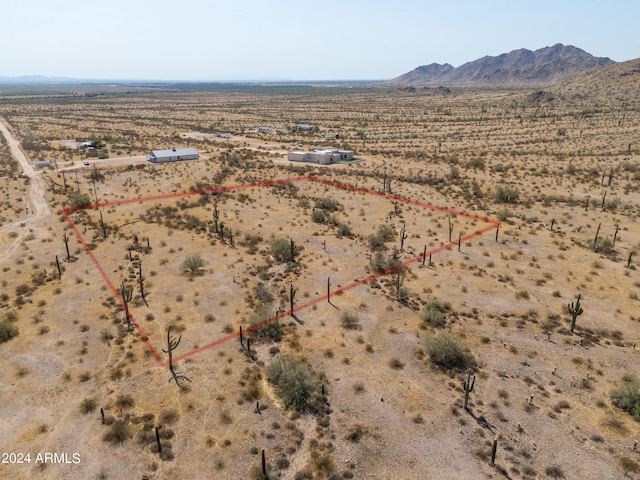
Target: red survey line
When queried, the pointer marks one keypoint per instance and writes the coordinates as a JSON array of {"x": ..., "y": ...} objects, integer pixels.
[{"x": 343, "y": 186}]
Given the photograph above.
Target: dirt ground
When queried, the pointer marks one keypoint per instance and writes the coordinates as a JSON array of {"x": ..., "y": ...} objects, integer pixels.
[{"x": 541, "y": 391}]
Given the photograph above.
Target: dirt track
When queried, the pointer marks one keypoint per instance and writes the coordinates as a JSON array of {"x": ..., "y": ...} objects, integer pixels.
[{"x": 38, "y": 208}]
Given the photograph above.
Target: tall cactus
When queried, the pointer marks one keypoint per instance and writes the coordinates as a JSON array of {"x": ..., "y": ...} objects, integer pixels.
[
  {"x": 574, "y": 310},
  {"x": 65, "y": 239},
  {"x": 468, "y": 386},
  {"x": 403, "y": 237},
  {"x": 126, "y": 292}
]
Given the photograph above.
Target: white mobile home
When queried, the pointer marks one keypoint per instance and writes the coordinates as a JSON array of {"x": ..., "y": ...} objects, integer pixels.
[
  {"x": 321, "y": 156},
  {"x": 173, "y": 155}
]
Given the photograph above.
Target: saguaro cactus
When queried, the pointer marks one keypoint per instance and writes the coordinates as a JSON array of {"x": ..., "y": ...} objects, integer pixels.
[
  {"x": 574, "y": 310},
  {"x": 65, "y": 239},
  {"x": 172, "y": 344},
  {"x": 216, "y": 218},
  {"x": 126, "y": 292},
  {"x": 292, "y": 296},
  {"x": 468, "y": 386},
  {"x": 292, "y": 249},
  {"x": 403, "y": 237},
  {"x": 141, "y": 281}
]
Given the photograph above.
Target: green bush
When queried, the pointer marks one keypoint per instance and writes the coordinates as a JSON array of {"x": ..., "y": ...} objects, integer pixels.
[
  {"x": 328, "y": 204},
  {"x": 507, "y": 194},
  {"x": 344, "y": 230},
  {"x": 80, "y": 199},
  {"x": 627, "y": 397},
  {"x": 433, "y": 313},
  {"x": 380, "y": 262},
  {"x": 192, "y": 265},
  {"x": 447, "y": 351},
  {"x": 7, "y": 331},
  {"x": 281, "y": 250},
  {"x": 296, "y": 383},
  {"x": 377, "y": 240},
  {"x": 269, "y": 332},
  {"x": 318, "y": 216}
]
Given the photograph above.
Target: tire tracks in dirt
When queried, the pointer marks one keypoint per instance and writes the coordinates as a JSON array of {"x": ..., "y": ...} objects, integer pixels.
[{"x": 38, "y": 209}]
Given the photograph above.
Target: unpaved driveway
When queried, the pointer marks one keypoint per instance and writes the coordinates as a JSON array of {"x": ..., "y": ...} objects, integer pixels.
[{"x": 38, "y": 208}]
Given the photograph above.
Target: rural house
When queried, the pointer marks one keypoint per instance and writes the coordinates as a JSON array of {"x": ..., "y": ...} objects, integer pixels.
[{"x": 173, "y": 155}]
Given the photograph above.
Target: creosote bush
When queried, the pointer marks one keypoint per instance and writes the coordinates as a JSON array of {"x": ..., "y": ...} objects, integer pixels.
[
  {"x": 281, "y": 250},
  {"x": 192, "y": 265},
  {"x": 627, "y": 397},
  {"x": 433, "y": 312},
  {"x": 447, "y": 351},
  {"x": 350, "y": 321},
  {"x": 297, "y": 384},
  {"x": 269, "y": 332},
  {"x": 507, "y": 194},
  {"x": 7, "y": 331}
]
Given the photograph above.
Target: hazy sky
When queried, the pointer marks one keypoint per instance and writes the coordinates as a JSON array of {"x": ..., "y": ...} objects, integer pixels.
[{"x": 298, "y": 40}]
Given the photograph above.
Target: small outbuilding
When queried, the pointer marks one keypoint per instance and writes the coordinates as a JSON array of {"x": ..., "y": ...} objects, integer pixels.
[{"x": 173, "y": 155}]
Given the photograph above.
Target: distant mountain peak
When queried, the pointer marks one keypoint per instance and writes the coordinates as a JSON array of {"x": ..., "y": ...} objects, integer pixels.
[{"x": 521, "y": 67}]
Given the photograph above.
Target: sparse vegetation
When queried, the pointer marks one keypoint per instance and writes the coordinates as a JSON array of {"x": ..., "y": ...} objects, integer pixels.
[{"x": 447, "y": 351}]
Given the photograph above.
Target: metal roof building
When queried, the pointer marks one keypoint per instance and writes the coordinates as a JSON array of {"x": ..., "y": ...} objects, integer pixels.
[
  {"x": 173, "y": 155},
  {"x": 321, "y": 156}
]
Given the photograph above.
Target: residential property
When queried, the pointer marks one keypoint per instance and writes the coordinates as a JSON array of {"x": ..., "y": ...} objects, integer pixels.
[
  {"x": 321, "y": 156},
  {"x": 303, "y": 127},
  {"x": 42, "y": 164},
  {"x": 173, "y": 155},
  {"x": 264, "y": 130}
]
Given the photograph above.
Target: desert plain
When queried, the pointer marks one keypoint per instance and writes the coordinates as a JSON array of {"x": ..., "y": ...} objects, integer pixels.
[{"x": 406, "y": 316}]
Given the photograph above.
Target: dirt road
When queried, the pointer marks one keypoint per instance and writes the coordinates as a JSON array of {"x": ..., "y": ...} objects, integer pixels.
[{"x": 38, "y": 207}]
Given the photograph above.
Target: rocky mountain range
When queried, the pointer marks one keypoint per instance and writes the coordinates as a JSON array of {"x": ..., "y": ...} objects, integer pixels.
[{"x": 518, "y": 68}]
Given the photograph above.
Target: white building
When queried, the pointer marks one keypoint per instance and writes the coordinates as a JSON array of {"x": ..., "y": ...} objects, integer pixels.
[
  {"x": 321, "y": 156},
  {"x": 304, "y": 127},
  {"x": 173, "y": 155}
]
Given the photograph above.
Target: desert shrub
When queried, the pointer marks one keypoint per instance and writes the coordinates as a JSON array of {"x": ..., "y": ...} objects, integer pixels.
[
  {"x": 504, "y": 214},
  {"x": 433, "y": 313},
  {"x": 350, "y": 321},
  {"x": 507, "y": 194},
  {"x": 318, "y": 216},
  {"x": 380, "y": 262},
  {"x": 88, "y": 405},
  {"x": 7, "y": 331},
  {"x": 80, "y": 199},
  {"x": 269, "y": 332},
  {"x": 281, "y": 250},
  {"x": 377, "y": 240},
  {"x": 344, "y": 230},
  {"x": 117, "y": 433},
  {"x": 476, "y": 163},
  {"x": 296, "y": 383},
  {"x": 554, "y": 471},
  {"x": 192, "y": 265},
  {"x": 627, "y": 397},
  {"x": 447, "y": 351},
  {"x": 328, "y": 204},
  {"x": 629, "y": 465}
]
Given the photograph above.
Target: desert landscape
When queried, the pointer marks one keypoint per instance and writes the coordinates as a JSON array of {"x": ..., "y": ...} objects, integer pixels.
[{"x": 465, "y": 303}]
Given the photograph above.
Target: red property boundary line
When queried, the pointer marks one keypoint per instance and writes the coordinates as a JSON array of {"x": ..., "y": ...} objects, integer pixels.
[{"x": 492, "y": 224}]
